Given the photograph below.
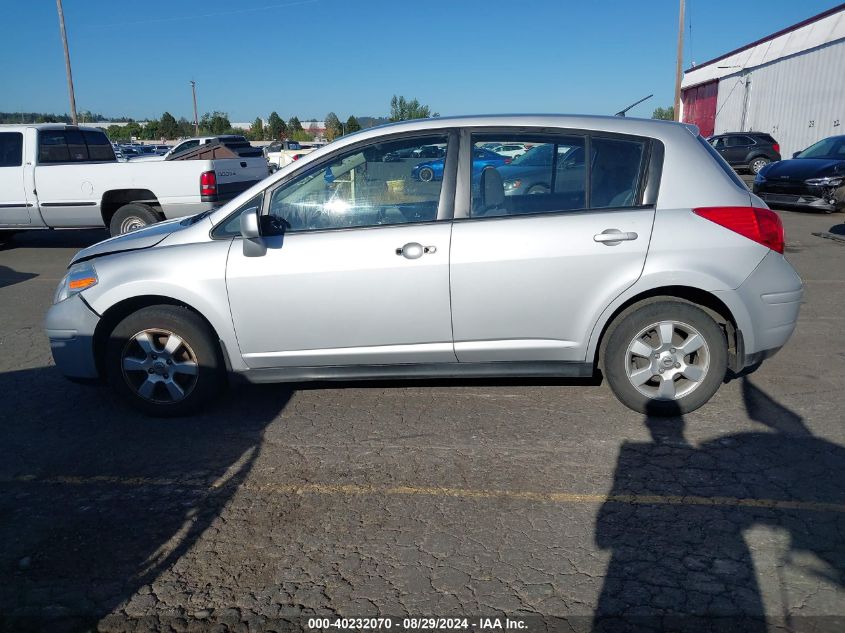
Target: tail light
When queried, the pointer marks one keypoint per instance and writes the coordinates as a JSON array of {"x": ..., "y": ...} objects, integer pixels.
[
  {"x": 508, "y": 161},
  {"x": 208, "y": 183},
  {"x": 776, "y": 147},
  {"x": 761, "y": 225},
  {"x": 297, "y": 156}
]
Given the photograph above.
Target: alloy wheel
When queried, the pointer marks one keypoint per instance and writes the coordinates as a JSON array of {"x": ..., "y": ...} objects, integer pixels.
[
  {"x": 159, "y": 366},
  {"x": 667, "y": 360}
]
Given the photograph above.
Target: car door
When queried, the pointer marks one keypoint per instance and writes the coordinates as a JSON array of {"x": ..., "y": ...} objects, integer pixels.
[
  {"x": 530, "y": 273},
  {"x": 361, "y": 274},
  {"x": 14, "y": 204}
]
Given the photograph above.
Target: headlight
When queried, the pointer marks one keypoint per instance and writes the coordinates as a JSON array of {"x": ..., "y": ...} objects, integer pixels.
[
  {"x": 80, "y": 277},
  {"x": 829, "y": 181},
  {"x": 512, "y": 185}
]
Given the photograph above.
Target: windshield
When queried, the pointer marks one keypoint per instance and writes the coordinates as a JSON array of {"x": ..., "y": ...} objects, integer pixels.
[{"x": 833, "y": 147}]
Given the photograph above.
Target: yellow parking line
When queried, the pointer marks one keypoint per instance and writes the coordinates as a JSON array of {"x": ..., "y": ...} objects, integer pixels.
[{"x": 457, "y": 493}]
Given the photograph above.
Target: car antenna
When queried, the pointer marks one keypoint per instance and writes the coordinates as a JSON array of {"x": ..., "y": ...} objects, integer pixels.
[{"x": 636, "y": 103}]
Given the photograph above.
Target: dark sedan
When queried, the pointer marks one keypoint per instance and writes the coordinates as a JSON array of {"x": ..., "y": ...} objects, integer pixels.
[{"x": 814, "y": 178}]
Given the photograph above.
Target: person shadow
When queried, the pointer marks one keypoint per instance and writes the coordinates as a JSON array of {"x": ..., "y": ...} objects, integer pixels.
[
  {"x": 675, "y": 519},
  {"x": 96, "y": 501}
]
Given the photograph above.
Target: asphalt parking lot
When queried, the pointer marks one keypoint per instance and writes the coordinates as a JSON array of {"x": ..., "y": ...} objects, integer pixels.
[{"x": 476, "y": 498}]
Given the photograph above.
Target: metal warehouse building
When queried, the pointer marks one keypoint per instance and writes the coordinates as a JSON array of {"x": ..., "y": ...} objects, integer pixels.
[{"x": 790, "y": 84}]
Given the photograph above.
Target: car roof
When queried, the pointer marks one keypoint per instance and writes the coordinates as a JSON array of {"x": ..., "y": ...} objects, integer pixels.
[{"x": 50, "y": 126}]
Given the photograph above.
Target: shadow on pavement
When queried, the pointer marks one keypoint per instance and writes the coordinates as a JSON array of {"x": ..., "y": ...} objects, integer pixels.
[
  {"x": 675, "y": 518},
  {"x": 96, "y": 500},
  {"x": 71, "y": 238},
  {"x": 10, "y": 277},
  {"x": 838, "y": 229}
]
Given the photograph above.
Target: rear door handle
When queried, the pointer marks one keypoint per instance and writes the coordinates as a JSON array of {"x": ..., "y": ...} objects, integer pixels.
[{"x": 612, "y": 237}]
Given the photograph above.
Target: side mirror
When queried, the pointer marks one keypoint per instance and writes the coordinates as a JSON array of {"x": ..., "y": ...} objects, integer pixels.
[
  {"x": 795, "y": 154},
  {"x": 250, "y": 226}
]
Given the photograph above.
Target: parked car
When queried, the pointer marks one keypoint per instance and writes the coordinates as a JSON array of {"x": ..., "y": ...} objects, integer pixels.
[
  {"x": 511, "y": 150},
  {"x": 747, "y": 150},
  {"x": 481, "y": 158},
  {"x": 398, "y": 154},
  {"x": 659, "y": 268},
  {"x": 429, "y": 151},
  {"x": 531, "y": 172},
  {"x": 814, "y": 178},
  {"x": 283, "y": 153},
  {"x": 62, "y": 176}
]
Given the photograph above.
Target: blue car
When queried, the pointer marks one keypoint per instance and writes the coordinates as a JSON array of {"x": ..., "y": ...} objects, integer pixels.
[{"x": 481, "y": 158}]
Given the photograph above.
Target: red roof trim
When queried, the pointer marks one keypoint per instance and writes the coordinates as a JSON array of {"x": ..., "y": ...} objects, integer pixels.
[{"x": 788, "y": 29}]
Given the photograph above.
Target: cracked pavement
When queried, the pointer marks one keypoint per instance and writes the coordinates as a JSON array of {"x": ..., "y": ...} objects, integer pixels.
[{"x": 519, "y": 498}]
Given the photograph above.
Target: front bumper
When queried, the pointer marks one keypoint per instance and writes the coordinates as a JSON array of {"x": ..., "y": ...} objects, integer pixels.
[
  {"x": 801, "y": 195},
  {"x": 70, "y": 326}
]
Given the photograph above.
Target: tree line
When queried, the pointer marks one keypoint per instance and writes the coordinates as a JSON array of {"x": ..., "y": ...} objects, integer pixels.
[{"x": 217, "y": 123}]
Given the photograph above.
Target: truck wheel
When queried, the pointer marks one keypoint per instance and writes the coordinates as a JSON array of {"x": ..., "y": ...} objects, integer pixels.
[
  {"x": 131, "y": 217},
  {"x": 164, "y": 361},
  {"x": 665, "y": 358}
]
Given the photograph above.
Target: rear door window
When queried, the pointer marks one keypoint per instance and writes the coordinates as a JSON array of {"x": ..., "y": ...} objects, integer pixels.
[
  {"x": 617, "y": 166},
  {"x": 11, "y": 149}
]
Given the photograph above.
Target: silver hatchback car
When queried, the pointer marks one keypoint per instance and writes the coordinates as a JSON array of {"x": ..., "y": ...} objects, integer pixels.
[{"x": 635, "y": 251}]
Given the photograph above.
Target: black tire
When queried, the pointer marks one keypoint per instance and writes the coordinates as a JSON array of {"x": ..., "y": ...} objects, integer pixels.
[
  {"x": 757, "y": 163},
  {"x": 131, "y": 217},
  {"x": 426, "y": 174},
  {"x": 199, "y": 347},
  {"x": 617, "y": 361}
]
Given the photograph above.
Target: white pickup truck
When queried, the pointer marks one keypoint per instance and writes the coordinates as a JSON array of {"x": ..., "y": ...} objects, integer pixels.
[{"x": 62, "y": 176}]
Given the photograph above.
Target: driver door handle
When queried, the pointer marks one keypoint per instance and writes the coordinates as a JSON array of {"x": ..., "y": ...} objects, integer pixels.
[
  {"x": 415, "y": 250},
  {"x": 612, "y": 237}
]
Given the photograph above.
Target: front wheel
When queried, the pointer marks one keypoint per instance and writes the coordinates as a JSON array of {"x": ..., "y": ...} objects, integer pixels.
[
  {"x": 665, "y": 358},
  {"x": 426, "y": 174},
  {"x": 164, "y": 361}
]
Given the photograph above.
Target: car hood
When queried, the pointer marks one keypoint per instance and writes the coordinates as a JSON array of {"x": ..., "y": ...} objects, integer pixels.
[
  {"x": 803, "y": 168},
  {"x": 142, "y": 238}
]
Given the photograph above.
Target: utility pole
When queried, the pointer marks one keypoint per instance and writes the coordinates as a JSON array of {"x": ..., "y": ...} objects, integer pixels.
[
  {"x": 680, "y": 65},
  {"x": 196, "y": 118},
  {"x": 67, "y": 62}
]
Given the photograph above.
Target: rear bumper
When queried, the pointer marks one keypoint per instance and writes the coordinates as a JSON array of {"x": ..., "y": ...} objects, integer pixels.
[
  {"x": 70, "y": 326},
  {"x": 765, "y": 307}
]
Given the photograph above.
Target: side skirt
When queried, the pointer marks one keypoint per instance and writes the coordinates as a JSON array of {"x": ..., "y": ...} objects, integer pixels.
[{"x": 417, "y": 371}]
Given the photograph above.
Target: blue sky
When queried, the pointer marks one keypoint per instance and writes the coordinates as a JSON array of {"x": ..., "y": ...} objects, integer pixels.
[{"x": 307, "y": 57}]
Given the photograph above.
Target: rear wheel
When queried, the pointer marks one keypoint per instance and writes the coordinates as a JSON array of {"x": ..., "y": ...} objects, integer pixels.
[
  {"x": 426, "y": 174},
  {"x": 665, "y": 358},
  {"x": 758, "y": 163},
  {"x": 131, "y": 217},
  {"x": 164, "y": 361}
]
